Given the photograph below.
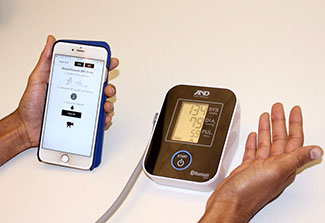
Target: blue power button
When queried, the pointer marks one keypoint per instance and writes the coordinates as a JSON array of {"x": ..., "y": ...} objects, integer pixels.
[{"x": 181, "y": 160}]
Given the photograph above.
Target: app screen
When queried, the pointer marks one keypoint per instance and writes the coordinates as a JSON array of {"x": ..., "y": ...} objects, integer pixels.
[{"x": 73, "y": 104}]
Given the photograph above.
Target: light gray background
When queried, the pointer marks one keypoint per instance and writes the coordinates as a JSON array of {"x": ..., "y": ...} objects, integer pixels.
[{"x": 266, "y": 51}]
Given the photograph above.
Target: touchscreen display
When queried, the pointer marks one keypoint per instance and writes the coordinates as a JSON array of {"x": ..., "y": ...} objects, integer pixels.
[{"x": 74, "y": 98}]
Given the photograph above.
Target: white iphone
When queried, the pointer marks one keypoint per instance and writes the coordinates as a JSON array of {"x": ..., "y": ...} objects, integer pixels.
[{"x": 73, "y": 104}]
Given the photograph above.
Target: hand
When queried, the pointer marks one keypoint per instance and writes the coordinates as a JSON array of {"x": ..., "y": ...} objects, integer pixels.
[
  {"x": 31, "y": 106},
  {"x": 268, "y": 167}
]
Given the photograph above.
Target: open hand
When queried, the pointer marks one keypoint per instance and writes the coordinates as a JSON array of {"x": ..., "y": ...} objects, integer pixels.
[{"x": 269, "y": 165}]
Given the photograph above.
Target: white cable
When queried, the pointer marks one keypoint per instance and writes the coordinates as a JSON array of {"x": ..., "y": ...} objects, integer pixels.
[
  {"x": 133, "y": 178},
  {"x": 117, "y": 203}
]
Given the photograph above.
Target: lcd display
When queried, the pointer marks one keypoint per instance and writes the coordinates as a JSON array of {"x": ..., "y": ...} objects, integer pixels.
[{"x": 189, "y": 122}]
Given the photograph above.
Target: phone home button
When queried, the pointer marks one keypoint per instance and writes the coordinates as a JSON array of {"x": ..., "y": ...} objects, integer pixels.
[{"x": 65, "y": 158}]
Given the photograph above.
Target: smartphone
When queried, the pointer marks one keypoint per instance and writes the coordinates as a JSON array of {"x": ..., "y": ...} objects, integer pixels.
[{"x": 73, "y": 104}]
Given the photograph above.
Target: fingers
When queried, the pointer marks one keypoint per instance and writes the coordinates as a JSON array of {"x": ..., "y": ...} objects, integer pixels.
[
  {"x": 108, "y": 107},
  {"x": 299, "y": 157},
  {"x": 264, "y": 137},
  {"x": 296, "y": 135},
  {"x": 108, "y": 120},
  {"x": 279, "y": 131},
  {"x": 250, "y": 149},
  {"x": 110, "y": 90},
  {"x": 114, "y": 63}
]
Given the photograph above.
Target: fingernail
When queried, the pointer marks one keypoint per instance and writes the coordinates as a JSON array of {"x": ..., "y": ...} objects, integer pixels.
[
  {"x": 315, "y": 154},
  {"x": 108, "y": 119},
  {"x": 112, "y": 90}
]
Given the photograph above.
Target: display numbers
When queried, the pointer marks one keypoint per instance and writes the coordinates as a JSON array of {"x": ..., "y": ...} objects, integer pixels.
[{"x": 189, "y": 122}]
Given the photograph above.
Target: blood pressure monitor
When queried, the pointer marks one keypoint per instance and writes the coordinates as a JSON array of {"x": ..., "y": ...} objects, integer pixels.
[
  {"x": 194, "y": 138},
  {"x": 193, "y": 141}
]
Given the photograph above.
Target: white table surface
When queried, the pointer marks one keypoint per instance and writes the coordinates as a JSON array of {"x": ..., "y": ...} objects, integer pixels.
[{"x": 266, "y": 51}]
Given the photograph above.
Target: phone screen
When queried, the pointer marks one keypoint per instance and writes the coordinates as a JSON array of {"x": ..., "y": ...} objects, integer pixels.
[{"x": 73, "y": 103}]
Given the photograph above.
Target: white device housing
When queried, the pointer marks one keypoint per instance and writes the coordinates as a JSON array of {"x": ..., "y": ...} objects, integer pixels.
[{"x": 228, "y": 151}]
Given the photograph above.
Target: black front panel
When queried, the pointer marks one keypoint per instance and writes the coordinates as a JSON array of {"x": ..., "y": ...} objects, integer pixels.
[{"x": 190, "y": 133}]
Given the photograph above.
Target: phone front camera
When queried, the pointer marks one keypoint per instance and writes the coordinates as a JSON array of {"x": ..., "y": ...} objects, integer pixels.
[{"x": 72, "y": 49}]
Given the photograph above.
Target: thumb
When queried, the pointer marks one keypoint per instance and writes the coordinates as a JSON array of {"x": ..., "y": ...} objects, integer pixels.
[
  {"x": 301, "y": 156},
  {"x": 44, "y": 63}
]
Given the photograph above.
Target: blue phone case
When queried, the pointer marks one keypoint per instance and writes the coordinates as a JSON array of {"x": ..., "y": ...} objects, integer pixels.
[{"x": 101, "y": 122}]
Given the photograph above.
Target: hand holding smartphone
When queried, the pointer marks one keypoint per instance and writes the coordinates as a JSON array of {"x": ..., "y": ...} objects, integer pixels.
[{"x": 73, "y": 121}]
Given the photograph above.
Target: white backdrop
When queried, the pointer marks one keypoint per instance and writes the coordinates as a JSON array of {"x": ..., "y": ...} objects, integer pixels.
[{"x": 266, "y": 51}]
